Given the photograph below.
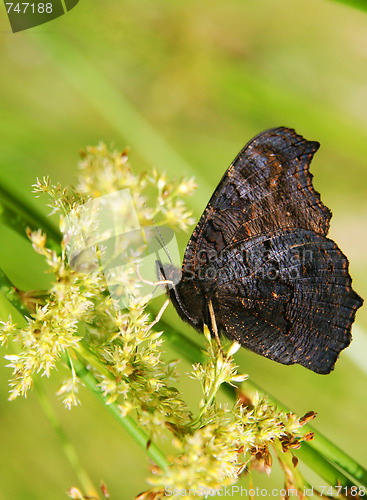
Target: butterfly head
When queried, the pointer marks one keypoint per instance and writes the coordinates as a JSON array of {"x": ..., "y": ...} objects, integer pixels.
[
  {"x": 183, "y": 297},
  {"x": 169, "y": 273}
]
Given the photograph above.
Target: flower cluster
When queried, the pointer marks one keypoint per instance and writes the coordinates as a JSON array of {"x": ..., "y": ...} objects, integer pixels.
[
  {"x": 79, "y": 315},
  {"x": 222, "y": 442}
]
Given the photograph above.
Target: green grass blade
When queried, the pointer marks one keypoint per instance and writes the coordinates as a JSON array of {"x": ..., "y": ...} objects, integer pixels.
[
  {"x": 322, "y": 466},
  {"x": 358, "y": 4},
  {"x": 19, "y": 215},
  {"x": 133, "y": 429},
  {"x": 11, "y": 294},
  {"x": 67, "y": 446}
]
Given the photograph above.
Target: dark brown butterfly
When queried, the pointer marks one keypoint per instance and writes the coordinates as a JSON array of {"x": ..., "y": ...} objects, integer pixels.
[{"x": 260, "y": 256}]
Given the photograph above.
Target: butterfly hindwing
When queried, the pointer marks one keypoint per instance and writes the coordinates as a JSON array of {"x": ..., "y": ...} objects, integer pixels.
[{"x": 292, "y": 302}]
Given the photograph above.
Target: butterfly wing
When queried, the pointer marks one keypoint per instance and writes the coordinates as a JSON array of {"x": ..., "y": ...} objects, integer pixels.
[
  {"x": 268, "y": 187},
  {"x": 296, "y": 304},
  {"x": 265, "y": 206}
]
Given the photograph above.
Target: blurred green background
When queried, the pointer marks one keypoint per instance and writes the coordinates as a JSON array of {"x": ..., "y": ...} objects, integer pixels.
[{"x": 186, "y": 85}]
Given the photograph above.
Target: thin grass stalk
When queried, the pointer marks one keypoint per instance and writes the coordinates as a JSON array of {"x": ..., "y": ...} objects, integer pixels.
[
  {"x": 10, "y": 292},
  {"x": 357, "y": 4},
  {"x": 19, "y": 215},
  {"x": 131, "y": 427},
  {"x": 67, "y": 446}
]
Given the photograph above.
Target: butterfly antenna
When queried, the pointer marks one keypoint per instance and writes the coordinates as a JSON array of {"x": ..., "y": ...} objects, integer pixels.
[
  {"x": 160, "y": 239},
  {"x": 164, "y": 246},
  {"x": 162, "y": 242}
]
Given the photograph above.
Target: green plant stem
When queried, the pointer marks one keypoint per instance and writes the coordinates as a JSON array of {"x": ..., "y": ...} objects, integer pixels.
[
  {"x": 357, "y": 4},
  {"x": 91, "y": 359},
  {"x": 197, "y": 420},
  {"x": 285, "y": 460},
  {"x": 321, "y": 455},
  {"x": 19, "y": 215},
  {"x": 10, "y": 293},
  {"x": 127, "y": 423},
  {"x": 68, "y": 448},
  {"x": 332, "y": 452},
  {"x": 325, "y": 469}
]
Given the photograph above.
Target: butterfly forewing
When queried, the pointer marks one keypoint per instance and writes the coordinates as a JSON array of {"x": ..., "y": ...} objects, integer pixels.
[{"x": 268, "y": 187}]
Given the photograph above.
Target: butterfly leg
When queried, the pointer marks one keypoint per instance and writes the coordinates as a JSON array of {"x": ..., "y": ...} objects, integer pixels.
[
  {"x": 214, "y": 327},
  {"x": 152, "y": 283},
  {"x": 159, "y": 315}
]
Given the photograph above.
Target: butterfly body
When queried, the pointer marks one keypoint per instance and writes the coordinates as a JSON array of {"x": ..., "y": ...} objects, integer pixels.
[{"x": 260, "y": 254}]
